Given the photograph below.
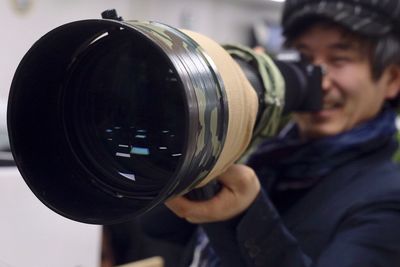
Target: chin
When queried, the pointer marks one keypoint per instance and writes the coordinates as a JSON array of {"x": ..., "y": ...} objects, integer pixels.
[{"x": 320, "y": 131}]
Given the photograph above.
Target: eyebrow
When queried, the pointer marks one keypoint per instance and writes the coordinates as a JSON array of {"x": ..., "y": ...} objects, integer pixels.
[{"x": 341, "y": 46}]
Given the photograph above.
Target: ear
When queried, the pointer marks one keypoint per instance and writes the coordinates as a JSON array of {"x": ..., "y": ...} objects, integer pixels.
[{"x": 392, "y": 81}]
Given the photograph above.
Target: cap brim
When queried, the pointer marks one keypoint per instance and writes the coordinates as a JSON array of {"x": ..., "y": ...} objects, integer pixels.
[{"x": 353, "y": 18}]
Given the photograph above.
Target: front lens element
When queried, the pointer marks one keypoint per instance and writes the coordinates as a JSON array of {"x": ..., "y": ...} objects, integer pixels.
[{"x": 125, "y": 113}]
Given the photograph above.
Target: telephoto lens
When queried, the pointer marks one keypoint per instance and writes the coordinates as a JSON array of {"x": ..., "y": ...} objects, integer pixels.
[{"x": 109, "y": 118}]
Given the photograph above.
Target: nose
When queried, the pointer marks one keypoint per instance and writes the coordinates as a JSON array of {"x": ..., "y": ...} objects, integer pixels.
[{"x": 326, "y": 77}]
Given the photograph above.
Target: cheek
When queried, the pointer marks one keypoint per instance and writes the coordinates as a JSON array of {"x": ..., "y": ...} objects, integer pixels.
[
  {"x": 362, "y": 97},
  {"x": 353, "y": 84},
  {"x": 348, "y": 79}
]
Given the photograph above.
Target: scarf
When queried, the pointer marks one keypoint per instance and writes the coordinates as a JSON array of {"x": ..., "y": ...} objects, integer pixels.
[{"x": 288, "y": 162}]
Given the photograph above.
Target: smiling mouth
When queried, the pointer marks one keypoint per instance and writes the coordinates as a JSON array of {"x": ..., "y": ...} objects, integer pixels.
[{"x": 328, "y": 106}]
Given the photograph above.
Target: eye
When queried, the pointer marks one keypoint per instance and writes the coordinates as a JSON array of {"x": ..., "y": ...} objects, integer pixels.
[
  {"x": 306, "y": 58},
  {"x": 339, "y": 60}
]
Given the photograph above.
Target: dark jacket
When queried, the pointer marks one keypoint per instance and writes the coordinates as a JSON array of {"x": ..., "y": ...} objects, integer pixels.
[{"x": 351, "y": 218}]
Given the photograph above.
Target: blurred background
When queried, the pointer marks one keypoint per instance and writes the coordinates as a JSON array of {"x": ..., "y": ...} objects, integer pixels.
[{"x": 31, "y": 234}]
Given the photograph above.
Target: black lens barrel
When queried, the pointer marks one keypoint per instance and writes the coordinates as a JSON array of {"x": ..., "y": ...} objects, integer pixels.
[
  {"x": 302, "y": 85},
  {"x": 107, "y": 118}
]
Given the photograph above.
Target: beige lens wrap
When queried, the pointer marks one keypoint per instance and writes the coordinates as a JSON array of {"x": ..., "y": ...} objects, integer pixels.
[
  {"x": 274, "y": 94},
  {"x": 242, "y": 104}
]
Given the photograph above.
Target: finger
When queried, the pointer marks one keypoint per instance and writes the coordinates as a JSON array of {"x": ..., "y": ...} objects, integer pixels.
[
  {"x": 239, "y": 178},
  {"x": 240, "y": 188},
  {"x": 192, "y": 211},
  {"x": 216, "y": 209}
]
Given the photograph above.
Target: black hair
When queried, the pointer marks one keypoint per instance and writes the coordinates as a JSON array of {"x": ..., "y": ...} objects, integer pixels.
[{"x": 386, "y": 52}]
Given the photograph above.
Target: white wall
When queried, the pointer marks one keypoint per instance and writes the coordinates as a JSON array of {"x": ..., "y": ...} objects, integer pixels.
[
  {"x": 223, "y": 20},
  {"x": 34, "y": 236}
]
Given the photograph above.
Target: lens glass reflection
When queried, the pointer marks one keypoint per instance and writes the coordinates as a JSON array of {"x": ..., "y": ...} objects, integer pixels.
[{"x": 125, "y": 113}]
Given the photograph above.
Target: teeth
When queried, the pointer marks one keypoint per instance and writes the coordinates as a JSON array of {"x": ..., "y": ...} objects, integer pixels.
[{"x": 330, "y": 105}]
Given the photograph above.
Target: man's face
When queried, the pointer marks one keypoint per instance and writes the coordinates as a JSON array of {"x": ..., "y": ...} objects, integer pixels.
[{"x": 350, "y": 96}]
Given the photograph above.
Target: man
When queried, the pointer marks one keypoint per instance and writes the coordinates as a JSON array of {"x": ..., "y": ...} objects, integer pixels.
[{"x": 325, "y": 193}]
